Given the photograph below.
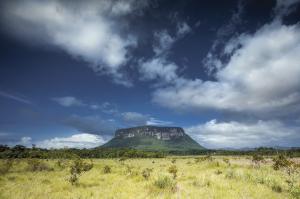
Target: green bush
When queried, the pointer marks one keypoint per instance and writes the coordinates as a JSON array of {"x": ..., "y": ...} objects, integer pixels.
[
  {"x": 257, "y": 159},
  {"x": 173, "y": 170},
  {"x": 35, "y": 165},
  {"x": 77, "y": 168},
  {"x": 6, "y": 166},
  {"x": 295, "y": 192},
  {"x": 62, "y": 164},
  {"x": 106, "y": 169},
  {"x": 281, "y": 162},
  {"x": 205, "y": 158},
  {"x": 277, "y": 188},
  {"x": 164, "y": 182}
]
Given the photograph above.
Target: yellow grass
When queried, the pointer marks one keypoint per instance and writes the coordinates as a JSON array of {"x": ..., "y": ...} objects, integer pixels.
[{"x": 207, "y": 179}]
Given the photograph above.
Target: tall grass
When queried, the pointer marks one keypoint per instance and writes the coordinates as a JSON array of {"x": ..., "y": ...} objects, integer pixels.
[{"x": 141, "y": 178}]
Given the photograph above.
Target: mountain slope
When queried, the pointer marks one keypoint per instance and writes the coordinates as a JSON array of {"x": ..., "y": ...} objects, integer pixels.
[{"x": 145, "y": 138}]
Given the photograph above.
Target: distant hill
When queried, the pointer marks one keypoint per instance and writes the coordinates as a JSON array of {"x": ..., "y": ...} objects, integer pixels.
[{"x": 153, "y": 138}]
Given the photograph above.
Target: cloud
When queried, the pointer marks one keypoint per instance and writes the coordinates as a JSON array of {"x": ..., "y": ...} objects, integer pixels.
[
  {"x": 134, "y": 118},
  {"x": 284, "y": 7},
  {"x": 93, "y": 124},
  {"x": 212, "y": 61},
  {"x": 163, "y": 41},
  {"x": 15, "y": 97},
  {"x": 26, "y": 140},
  {"x": 90, "y": 31},
  {"x": 214, "y": 134},
  {"x": 138, "y": 119},
  {"x": 82, "y": 140},
  {"x": 182, "y": 29},
  {"x": 158, "y": 68},
  {"x": 251, "y": 81},
  {"x": 12, "y": 139},
  {"x": 68, "y": 101},
  {"x": 108, "y": 108},
  {"x": 156, "y": 122}
]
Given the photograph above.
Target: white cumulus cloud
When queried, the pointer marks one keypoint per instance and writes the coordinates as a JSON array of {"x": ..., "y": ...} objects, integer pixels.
[
  {"x": 158, "y": 68},
  {"x": 82, "y": 140},
  {"x": 87, "y": 30},
  {"x": 214, "y": 134},
  {"x": 261, "y": 76}
]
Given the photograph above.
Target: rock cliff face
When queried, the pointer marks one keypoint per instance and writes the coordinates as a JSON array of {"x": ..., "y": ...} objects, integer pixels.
[
  {"x": 160, "y": 133},
  {"x": 153, "y": 138}
]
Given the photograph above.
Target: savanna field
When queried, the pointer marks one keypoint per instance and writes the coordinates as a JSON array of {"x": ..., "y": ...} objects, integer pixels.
[{"x": 171, "y": 177}]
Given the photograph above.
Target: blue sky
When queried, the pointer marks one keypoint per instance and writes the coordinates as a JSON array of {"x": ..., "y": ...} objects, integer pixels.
[{"x": 71, "y": 73}]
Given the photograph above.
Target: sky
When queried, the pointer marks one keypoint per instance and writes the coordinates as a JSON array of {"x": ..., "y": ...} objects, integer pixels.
[{"x": 73, "y": 72}]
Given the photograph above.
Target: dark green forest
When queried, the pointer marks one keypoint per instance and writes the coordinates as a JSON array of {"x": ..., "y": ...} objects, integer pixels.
[{"x": 20, "y": 151}]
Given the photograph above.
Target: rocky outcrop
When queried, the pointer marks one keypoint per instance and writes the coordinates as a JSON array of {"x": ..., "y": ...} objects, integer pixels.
[{"x": 160, "y": 133}]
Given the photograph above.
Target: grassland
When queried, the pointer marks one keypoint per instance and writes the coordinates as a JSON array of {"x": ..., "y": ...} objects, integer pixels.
[{"x": 231, "y": 177}]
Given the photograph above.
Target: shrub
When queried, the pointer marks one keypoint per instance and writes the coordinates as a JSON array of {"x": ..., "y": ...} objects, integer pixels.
[
  {"x": 173, "y": 170},
  {"x": 164, "y": 182},
  {"x": 295, "y": 192},
  {"x": 34, "y": 165},
  {"x": 205, "y": 158},
  {"x": 281, "y": 162},
  {"x": 62, "y": 164},
  {"x": 173, "y": 161},
  {"x": 122, "y": 159},
  {"x": 6, "y": 166},
  {"x": 77, "y": 168},
  {"x": 106, "y": 169},
  {"x": 146, "y": 173},
  {"x": 218, "y": 172},
  {"x": 277, "y": 188},
  {"x": 257, "y": 160}
]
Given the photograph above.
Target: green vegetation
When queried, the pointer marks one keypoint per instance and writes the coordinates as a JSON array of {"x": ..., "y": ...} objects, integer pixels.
[
  {"x": 106, "y": 169},
  {"x": 132, "y": 173},
  {"x": 210, "y": 177},
  {"x": 20, "y": 151},
  {"x": 77, "y": 168},
  {"x": 182, "y": 144},
  {"x": 173, "y": 170}
]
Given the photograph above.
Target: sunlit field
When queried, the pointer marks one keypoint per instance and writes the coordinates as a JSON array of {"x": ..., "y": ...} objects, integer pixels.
[{"x": 171, "y": 177}]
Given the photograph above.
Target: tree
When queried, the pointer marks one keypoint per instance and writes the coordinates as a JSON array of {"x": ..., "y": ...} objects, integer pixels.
[{"x": 77, "y": 168}]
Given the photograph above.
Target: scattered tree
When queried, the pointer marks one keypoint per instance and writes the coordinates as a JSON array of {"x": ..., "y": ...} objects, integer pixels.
[{"x": 77, "y": 168}]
